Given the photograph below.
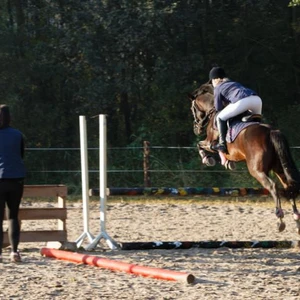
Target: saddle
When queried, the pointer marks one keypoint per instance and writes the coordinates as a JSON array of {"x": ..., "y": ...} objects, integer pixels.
[
  {"x": 239, "y": 122},
  {"x": 249, "y": 117}
]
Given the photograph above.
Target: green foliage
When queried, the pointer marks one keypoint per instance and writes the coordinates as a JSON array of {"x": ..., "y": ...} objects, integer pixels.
[
  {"x": 168, "y": 167},
  {"x": 294, "y": 3},
  {"x": 136, "y": 61}
]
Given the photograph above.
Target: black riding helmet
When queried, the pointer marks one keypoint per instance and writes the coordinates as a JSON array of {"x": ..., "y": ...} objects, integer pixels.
[{"x": 216, "y": 72}]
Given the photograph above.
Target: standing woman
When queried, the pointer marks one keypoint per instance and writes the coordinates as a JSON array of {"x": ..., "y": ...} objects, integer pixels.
[{"x": 12, "y": 174}]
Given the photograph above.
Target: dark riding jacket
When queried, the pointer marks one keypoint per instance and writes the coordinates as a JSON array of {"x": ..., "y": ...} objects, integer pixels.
[{"x": 230, "y": 92}]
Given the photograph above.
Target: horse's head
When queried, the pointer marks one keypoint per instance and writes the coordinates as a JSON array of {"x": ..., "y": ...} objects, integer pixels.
[{"x": 202, "y": 106}]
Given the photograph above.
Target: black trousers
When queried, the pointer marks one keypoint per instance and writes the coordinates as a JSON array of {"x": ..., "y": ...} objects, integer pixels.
[{"x": 11, "y": 192}]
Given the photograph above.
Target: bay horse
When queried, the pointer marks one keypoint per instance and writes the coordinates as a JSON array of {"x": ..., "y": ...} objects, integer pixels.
[{"x": 263, "y": 148}]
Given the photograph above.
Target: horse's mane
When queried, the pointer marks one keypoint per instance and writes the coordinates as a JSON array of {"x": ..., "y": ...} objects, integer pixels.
[{"x": 203, "y": 89}]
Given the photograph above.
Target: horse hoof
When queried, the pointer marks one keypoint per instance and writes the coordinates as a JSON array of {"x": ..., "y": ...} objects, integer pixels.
[
  {"x": 281, "y": 226},
  {"x": 210, "y": 161},
  {"x": 231, "y": 165}
]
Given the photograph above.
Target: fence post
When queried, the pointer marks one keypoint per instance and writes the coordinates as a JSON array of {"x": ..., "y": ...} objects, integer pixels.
[{"x": 147, "y": 181}]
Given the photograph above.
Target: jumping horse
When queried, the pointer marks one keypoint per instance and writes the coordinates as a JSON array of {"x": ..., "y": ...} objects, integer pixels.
[{"x": 263, "y": 148}]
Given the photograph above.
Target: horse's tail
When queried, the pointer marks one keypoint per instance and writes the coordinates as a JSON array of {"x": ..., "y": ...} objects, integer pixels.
[{"x": 290, "y": 170}]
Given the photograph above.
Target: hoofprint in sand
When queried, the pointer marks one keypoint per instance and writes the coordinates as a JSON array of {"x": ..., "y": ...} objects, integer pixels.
[{"x": 221, "y": 273}]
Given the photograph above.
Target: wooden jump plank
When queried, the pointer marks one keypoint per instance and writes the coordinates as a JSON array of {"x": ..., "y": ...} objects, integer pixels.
[
  {"x": 45, "y": 191},
  {"x": 39, "y": 236},
  {"x": 42, "y": 213},
  {"x": 58, "y": 213}
]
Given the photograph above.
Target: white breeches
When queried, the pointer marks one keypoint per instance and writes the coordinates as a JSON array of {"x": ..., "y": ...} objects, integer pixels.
[{"x": 252, "y": 103}]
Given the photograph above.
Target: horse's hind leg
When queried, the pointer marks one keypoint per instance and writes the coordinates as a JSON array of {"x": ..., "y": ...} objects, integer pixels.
[
  {"x": 296, "y": 213},
  {"x": 278, "y": 209},
  {"x": 291, "y": 196},
  {"x": 270, "y": 185}
]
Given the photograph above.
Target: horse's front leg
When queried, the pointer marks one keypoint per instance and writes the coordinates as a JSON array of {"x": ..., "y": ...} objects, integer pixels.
[
  {"x": 296, "y": 213},
  {"x": 206, "y": 158}
]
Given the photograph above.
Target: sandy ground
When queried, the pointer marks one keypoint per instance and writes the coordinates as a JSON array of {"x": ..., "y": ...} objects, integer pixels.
[{"x": 220, "y": 273}]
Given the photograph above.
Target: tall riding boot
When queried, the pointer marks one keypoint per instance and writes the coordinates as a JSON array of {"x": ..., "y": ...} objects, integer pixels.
[{"x": 222, "y": 127}]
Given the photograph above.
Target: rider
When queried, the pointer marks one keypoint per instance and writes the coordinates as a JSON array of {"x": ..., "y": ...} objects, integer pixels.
[{"x": 230, "y": 100}]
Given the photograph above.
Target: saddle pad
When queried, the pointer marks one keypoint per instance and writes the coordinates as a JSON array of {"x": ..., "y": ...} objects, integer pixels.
[{"x": 235, "y": 127}]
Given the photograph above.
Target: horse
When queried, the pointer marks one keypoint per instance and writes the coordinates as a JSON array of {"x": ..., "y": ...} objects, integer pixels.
[{"x": 263, "y": 148}]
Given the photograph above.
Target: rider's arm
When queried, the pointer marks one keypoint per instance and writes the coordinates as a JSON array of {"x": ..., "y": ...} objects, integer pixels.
[{"x": 218, "y": 100}]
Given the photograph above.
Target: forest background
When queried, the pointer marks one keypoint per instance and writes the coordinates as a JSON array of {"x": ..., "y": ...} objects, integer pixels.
[{"x": 136, "y": 61}]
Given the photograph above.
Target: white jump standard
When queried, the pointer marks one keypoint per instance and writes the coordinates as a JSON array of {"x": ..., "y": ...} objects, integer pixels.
[{"x": 102, "y": 187}]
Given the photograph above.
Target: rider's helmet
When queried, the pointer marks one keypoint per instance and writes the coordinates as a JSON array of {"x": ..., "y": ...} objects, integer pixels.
[{"x": 216, "y": 72}]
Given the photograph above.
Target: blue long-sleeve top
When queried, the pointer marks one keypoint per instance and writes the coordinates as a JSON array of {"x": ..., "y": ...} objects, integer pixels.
[
  {"x": 11, "y": 153},
  {"x": 230, "y": 92}
]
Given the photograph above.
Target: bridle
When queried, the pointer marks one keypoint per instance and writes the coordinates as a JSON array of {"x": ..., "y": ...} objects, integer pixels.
[{"x": 199, "y": 124}]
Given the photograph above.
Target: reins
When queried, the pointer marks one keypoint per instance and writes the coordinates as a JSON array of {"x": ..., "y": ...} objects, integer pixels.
[{"x": 204, "y": 122}]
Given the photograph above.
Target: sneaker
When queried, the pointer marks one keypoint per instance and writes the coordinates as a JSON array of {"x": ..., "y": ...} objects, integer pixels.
[{"x": 15, "y": 257}]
